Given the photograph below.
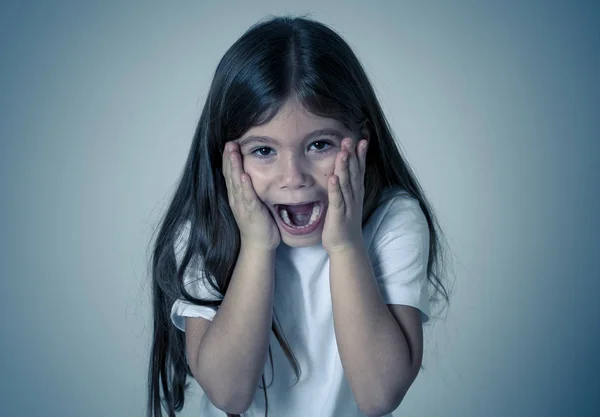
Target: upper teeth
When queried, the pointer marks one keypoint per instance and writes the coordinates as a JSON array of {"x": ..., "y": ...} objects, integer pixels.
[{"x": 316, "y": 211}]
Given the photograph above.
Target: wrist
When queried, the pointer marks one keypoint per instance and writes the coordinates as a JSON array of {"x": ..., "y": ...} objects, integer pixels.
[
  {"x": 346, "y": 249},
  {"x": 253, "y": 249}
]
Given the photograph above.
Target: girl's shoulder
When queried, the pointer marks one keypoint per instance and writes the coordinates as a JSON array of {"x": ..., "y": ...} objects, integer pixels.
[
  {"x": 396, "y": 199},
  {"x": 398, "y": 211},
  {"x": 389, "y": 193}
]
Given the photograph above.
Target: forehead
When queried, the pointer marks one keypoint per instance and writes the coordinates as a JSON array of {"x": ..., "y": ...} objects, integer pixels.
[{"x": 293, "y": 122}]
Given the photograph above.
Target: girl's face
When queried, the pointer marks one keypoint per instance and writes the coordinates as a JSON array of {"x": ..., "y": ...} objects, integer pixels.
[{"x": 290, "y": 160}]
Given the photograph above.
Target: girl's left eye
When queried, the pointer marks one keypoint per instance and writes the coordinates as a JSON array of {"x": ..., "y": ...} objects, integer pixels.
[{"x": 323, "y": 145}]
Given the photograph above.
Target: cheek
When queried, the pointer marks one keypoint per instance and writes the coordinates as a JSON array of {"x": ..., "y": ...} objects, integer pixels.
[
  {"x": 328, "y": 167},
  {"x": 325, "y": 170},
  {"x": 255, "y": 170},
  {"x": 258, "y": 175}
]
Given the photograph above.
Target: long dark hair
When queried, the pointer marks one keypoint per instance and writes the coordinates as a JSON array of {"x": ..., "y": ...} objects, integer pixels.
[{"x": 272, "y": 61}]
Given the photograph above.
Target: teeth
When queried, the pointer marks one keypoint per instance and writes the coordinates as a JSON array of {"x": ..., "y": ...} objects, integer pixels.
[
  {"x": 286, "y": 217},
  {"x": 315, "y": 214},
  {"x": 313, "y": 217}
]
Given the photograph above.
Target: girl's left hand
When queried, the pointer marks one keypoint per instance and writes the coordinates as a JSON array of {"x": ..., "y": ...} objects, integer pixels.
[{"x": 346, "y": 190}]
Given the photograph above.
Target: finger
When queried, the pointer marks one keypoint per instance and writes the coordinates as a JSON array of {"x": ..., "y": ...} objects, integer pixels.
[
  {"x": 236, "y": 172},
  {"x": 354, "y": 172},
  {"x": 342, "y": 172},
  {"x": 248, "y": 193},
  {"x": 227, "y": 173},
  {"x": 336, "y": 201},
  {"x": 363, "y": 147}
]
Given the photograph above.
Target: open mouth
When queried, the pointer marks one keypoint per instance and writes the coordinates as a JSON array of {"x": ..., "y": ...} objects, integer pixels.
[{"x": 300, "y": 218}]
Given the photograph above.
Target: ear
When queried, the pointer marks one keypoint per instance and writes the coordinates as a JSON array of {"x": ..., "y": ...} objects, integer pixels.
[{"x": 365, "y": 130}]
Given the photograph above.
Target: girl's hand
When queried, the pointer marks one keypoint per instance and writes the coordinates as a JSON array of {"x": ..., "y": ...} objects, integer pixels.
[
  {"x": 257, "y": 227},
  {"x": 343, "y": 221}
]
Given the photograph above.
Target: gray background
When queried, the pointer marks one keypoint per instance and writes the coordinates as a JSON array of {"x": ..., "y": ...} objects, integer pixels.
[{"x": 496, "y": 106}]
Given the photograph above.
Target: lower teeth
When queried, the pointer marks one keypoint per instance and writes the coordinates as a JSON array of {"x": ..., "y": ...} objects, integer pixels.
[{"x": 313, "y": 218}]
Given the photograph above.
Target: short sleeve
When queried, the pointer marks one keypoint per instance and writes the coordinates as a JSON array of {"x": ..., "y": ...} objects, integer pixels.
[
  {"x": 399, "y": 254},
  {"x": 195, "y": 284}
]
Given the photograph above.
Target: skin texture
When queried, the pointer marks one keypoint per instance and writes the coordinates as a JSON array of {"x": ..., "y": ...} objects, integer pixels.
[
  {"x": 257, "y": 228},
  {"x": 380, "y": 345},
  {"x": 346, "y": 193},
  {"x": 290, "y": 168}
]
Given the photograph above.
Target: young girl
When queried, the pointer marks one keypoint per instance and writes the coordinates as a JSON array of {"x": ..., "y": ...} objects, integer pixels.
[{"x": 296, "y": 214}]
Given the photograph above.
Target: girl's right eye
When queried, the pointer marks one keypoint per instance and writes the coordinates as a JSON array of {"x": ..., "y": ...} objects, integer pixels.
[{"x": 263, "y": 152}]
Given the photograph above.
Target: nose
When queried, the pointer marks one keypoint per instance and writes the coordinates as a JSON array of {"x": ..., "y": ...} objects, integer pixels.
[{"x": 293, "y": 173}]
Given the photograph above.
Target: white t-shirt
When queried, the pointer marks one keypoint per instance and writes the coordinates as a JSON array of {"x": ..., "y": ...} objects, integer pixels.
[{"x": 397, "y": 239}]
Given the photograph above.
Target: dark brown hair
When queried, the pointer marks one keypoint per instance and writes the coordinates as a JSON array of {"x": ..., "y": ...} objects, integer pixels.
[{"x": 271, "y": 62}]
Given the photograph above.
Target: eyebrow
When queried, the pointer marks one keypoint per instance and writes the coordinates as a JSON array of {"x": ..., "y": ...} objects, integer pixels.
[{"x": 270, "y": 140}]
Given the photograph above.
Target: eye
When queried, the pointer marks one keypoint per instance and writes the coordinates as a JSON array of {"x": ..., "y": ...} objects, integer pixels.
[
  {"x": 263, "y": 152},
  {"x": 321, "y": 145}
]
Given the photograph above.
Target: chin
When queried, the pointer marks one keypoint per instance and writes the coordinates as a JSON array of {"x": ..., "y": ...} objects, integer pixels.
[{"x": 301, "y": 241}]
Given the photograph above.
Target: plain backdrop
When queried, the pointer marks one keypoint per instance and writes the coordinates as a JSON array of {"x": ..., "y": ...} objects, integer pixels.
[{"x": 496, "y": 106}]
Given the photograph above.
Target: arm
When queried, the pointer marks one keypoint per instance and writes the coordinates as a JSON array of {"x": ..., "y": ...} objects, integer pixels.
[
  {"x": 380, "y": 347},
  {"x": 232, "y": 353}
]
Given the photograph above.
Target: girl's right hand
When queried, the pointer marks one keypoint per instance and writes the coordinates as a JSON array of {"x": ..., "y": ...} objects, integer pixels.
[{"x": 257, "y": 227}]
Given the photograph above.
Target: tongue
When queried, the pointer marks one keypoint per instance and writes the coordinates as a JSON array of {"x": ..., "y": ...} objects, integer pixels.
[
  {"x": 300, "y": 219},
  {"x": 300, "y": 215}
]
